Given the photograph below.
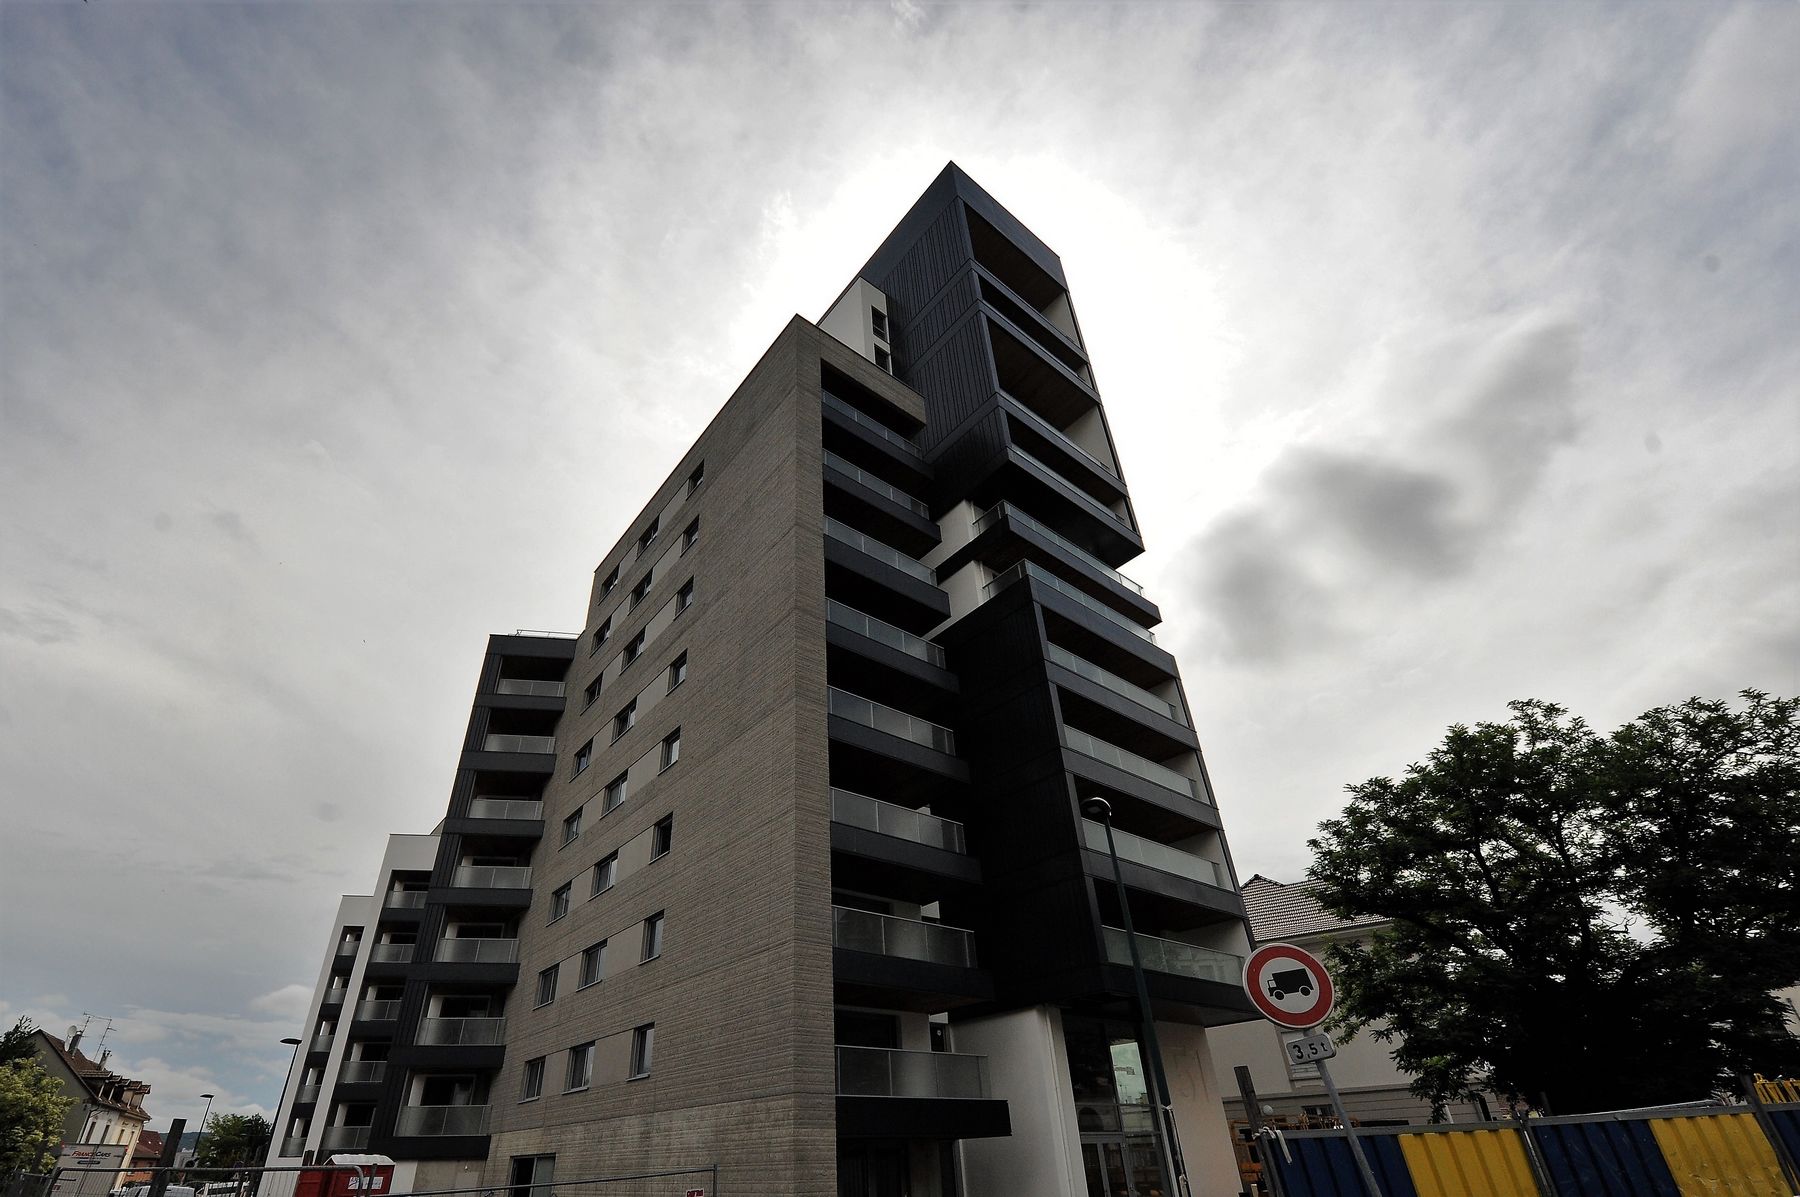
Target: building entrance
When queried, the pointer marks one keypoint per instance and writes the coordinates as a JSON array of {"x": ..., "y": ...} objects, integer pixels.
[
  {"x": 872, "y": 1170},
  {"x": 1121, "y": 1166}
]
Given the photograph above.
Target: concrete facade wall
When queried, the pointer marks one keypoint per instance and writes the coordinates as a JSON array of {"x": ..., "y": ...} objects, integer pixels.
[{"x": 1028, "y": 1066}]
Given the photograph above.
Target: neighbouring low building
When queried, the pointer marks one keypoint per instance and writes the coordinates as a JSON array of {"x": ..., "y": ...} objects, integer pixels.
[{"x": 108, "y": 1108}]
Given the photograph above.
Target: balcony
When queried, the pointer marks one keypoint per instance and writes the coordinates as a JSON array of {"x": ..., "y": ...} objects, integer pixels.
[
  {"x": 1150, "y": 854},
  {"x": 906, "y": 939},
  {"x": 883, "y": 632},
  {"x": 887, "y": 818},
  {"x": 884, "y": 489},
  {"x": 335, "y": 995},
  {"x": 886, "y": 554},
  {"x": 420, "y": 1121},
  {"x": 1058, "y": 655},
  {"x": 321, "y": 1042},
  {"x": 492, "y": 877},
  {"x": 362, "y": 1072},
  {"x": 1175, "y": 958},
  {"x": 887, "y": 719},
  {"x": 293, "y": 1147},
  {"x": 343, "y": 1138},
  {"x": 378, "y": 1010},
  {"x": 879, "y": 429},
  {"x": 306, "y": 1093},
  {"x": 887, "y": 1072},
  {"x": 405, "y": 899},
  {"x": 478, "y": 951},
  {"x": 1056, "y": 436},
  {"x": 993, "y": 515},
  {"x": 1036, "y": 573},
  {"x": 348, "y": 947},
  {"x": 391, "y": 953},
  {"x": 1137, "y": 766},
  {"x": 523, "y": 809},
  {"x": 455, "y": 1032},
  {"x": 497, "y": 742},
  {"x": 529, "y": 686}
]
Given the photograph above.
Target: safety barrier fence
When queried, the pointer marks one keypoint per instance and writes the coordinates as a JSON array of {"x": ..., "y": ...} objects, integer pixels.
[
  {"x": 362, "y": 1178},
  {"x": 1685, "y": 1151}
]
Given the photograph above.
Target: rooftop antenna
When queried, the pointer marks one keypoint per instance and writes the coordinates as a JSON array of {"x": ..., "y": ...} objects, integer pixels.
[{"x": 107, "y": 1030}]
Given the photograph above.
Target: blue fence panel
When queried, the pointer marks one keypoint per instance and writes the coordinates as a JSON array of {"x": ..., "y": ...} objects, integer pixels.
[
  {"x": 1787, "y": 1124},
  {"x": 1604, "y": 1159},
  {"x": 1324, "y": 1167}
]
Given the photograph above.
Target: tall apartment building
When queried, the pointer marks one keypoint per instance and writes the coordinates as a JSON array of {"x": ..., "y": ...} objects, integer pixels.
[{"x": 780, "y": 862}]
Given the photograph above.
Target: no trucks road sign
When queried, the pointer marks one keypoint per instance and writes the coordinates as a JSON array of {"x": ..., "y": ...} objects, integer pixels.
[{"x": 1288, "y": 986}]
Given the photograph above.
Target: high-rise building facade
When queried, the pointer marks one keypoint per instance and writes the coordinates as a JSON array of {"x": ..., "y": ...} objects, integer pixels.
[{"x": 780, "y": 863}]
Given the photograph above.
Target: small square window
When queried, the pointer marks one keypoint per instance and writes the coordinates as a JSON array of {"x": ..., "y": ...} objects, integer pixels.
[
  {"x": 671, "y": 748},
  {"x": 643, "y": 1041},
  {"x": 532, "y": 1087},
  {"x": 625, "y": 720},
  {"x": 647, "y": 537},
  {"x": 662, "y": 837},
  {"x": 546, "y": 990},
  {"x": 584, "y": 756},
  {"x": 696, "y": 478},
  {"x": 581, "y": 1067},
  {"x": 602, "y": 634},
  {"x": 559, "y": 903},
  {"x": 690, "y": 535},
  {"x": 653, "y": 936},
  {"x": 611, "y": 580},
  {"x": 606, "y": 872},
  {"x": 640, "y": 590},
  {"x": 589, "y": 695},
  {"x": 684, "y": 598},
  {"x": 571, "y": 828},
  {"x": 593, "y": 964},
  {"x": 615, "y": 794},
  {"x": 883, "y": 359},
  {"x": 634, "y": 647},
  {"x": 878, "y": 322},
  {"x": 678, "y": 671}
]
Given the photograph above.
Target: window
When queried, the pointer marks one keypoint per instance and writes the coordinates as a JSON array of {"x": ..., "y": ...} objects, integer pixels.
[
  {"x": 584, "y": 756},
  {"x": 671, "y": 748},
  {"x": 559, "y": 903},
  {"x": 878, "y": 321},
  {"x": 634, "y": 648},
  {"x": 678, "y": 671},
  {"x": 532, "y": 1087},
  {"x": 532, "y": 1175},
  {"x": 611, "y": 581},
  {"x": 653, "y": 935},
  {"x": 643, "y": 1041},
  {"x": 546, "y": 991},
  {"x": 647, "y": 537},
  {"x": 615, "y": 794},
  {"x": 581, "y": 1067},
  {"x": 640, "y": 590},
  {"x": 696, "y": 478},
  {"x": 602, "y": 634},
  {"x": 571, "y": 828},
  {"x": 883, "y": 359},
  {"x": 606, "y": 872},
  {"x": 684, "y": 598},
  {"x": 625, "y": 720},
  {"x": 662, "y": 837},
  {"x": 690, "y": 535},
  {"x": 593, "y": 964},
  {"x": 592, "y": 693}
]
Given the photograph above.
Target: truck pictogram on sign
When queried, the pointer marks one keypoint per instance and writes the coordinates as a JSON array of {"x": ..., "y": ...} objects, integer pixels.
[{"x": 1288, "y": 986}]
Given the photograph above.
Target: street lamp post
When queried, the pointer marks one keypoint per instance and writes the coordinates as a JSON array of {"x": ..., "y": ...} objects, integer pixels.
[
  {"x": 199, "y": 1138},
  {"x": 1164, "y": 1122}
]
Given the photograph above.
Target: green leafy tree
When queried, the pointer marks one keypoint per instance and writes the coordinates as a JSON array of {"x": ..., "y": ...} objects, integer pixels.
[
  {"x": 31, "y": 1112},
  {"x": 1593, "y": 921},
  {"x": 232, "y": 1140},
  {"x": 19, "y": 1043}
]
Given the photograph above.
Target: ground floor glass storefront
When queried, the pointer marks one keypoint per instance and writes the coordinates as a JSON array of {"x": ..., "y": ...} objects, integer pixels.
[{"x": 1112, "y": 1108}]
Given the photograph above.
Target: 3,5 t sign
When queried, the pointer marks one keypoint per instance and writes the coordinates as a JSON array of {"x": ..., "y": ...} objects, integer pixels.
[{"x": 1310, "y": 1049}]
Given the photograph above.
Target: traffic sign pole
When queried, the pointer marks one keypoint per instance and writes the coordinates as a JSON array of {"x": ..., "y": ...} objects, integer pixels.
[{"x": 1356, "y": 1148}]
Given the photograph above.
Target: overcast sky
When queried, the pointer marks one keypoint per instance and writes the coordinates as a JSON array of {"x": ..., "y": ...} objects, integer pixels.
[{"x": 1451, "y": 353}]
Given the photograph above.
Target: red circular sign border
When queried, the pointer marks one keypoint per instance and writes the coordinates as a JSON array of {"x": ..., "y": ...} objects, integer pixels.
[{"x": 1274, "y": 1013}]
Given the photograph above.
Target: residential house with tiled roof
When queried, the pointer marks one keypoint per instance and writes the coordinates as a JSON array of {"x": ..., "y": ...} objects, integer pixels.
[{"x": 108, "y": 1107}]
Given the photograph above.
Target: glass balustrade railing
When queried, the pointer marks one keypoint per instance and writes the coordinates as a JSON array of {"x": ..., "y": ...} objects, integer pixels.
[
  {"x": 521, "y": 685},
  {"x": 391, "y": 953},
  {"x": 1112, "y": 681},
  {"x": 885, "y": 553},
  {"x": 454, "y": 1032},
  {"x": 492, "y": 877},
  {"x": 1056, "y": 435},
  {"x": 1130, "y": 762},
  {"x": 307, "y": 1093},
  {"x": 505, "y": 808},
  {"x": 887, "y": 1072},
  {"x": 478, "y": 951},
  {"x": 362, "y": 1072},
  {"x": 293, "y": 1147},
  {"x": 890, "y": 720},
  {"x": 322, "y": 1042},
  {"x": 1153, "y": 855},
  {"x": 877, "y": 485},
  {"x": 334, "y": 996},
  {"x": 909, "y": 939},
  {"x": 992, "y": 516},
  {"x": 404, "y": 899},
  {"x": 1174, "y": 957},
  {"x": 347, "y": 947},
  {"x": 378, "y": 1010},
  {"x": 887, "y": 818},
  {"x": 882, "y": 632},
  {"x": 879, "y": 429},
  {"x": 344, "y": 1138},
  {"x": 496, "y": 742},
  {"x": 1097, "y": 506},
  {"x": 441, "y": 1120},
  {"x": 1026, "y": 569}
]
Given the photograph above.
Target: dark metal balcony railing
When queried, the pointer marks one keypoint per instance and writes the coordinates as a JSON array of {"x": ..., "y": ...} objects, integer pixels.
[
  {"x": 891, "y": 720},
  {"x": 492, "y": 877},
  {"x": 1174, "y": 957},
  {"x": 521, "y": 685},
  {"x": 505, "y": 808},
  {"x": 362, "y": 1072},
  {"x": 887, "y": 1072},
  {"x": 877, "y": 485},
  {"x": 909, "y": 939},
  {"x": 496, "y": 742},
  {"x": 885, "y": 633},
  {"x": 391, "y": 953},
  {"x": 885, "y": 553},
  {"x": 1133, "y": 764},
  {"x": 378, "y": 1010},
  {"x": 1153, "y": 855},
  {"x": 442, "y": 1120},
  {"x": 901, "y": 822},
  {"x": 344, "y": 1138},
  {"x": 1112, "y": 681},
  {"x": 453, "y": 1032},
  {"x": 879, "y": 429},
  {"x": 478, "y": 951},
  {"x": 1026, "y": 569},
  {"x": 992, "y": 515}
]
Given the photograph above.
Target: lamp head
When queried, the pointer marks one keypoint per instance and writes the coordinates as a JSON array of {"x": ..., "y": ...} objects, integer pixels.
[
  {"x": 1097, "y": 808},
  {"x": 208, "y": 1096},
  {"x": 291, "y": 1042}
]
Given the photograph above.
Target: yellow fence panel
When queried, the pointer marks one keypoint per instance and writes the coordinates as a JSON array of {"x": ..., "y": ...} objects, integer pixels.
[
  {"x": 1471, "y": 1163},
  {"x": 1777, "y": 1088},
  {"x": 1719, "y": 1155}
]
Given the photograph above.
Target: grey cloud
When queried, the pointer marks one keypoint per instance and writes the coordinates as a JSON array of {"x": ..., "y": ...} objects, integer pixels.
[
  {"x": 232, "y": 525},
  {"x": 36, "y": 625}
]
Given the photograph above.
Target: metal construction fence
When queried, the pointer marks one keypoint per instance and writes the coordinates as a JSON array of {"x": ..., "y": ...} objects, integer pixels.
[
  {"x": 1686, "y": 1151},
  {"x": 699, "y": 1181}
]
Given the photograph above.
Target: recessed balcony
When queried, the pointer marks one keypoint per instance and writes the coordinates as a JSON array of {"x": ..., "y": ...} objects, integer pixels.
[
  {"x": 1058, "y": 655},
  {"x": 321, "y": 1043},
  {"x": 454, "y": 1032},
  {"x": 348, "y": 947},
  {"x": 886, "y": 490},
  {"x": 517, "y": 809},
  {"x": 1153, "y": 855},
  {"x": 901, "y": 822},
  {"x": 492, "y": 877},
  {"x": 907, "y": 939},
  {"x": 424, "y": 1121},
  {"x": 362, "y": 1072},
  {"x": 305, "y": 1094},
  {"x": 890, "y": 1072},
  {"x": 1175, "y": 958},
  {"x": 344, "y": 1138},
  {"x": 478, "y": 951},
  {"x": 378, "y": 1010},
  {"x": 501, "y": 742},
  {"x": 391, "y": 953},
  {"x": 1008, "y": 512},
  {"x": 293, "y": 1147},
  {"x": 882, "y": 632},
  {"x": 1129, "y": 762},
  {"x": 531, "y": 687},
  {"x": 868, "y": 713},
  {"x": 886, "y": 554},
  {"x": 1026, "y": 569},
  {"x": 405, "y": 899}
]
